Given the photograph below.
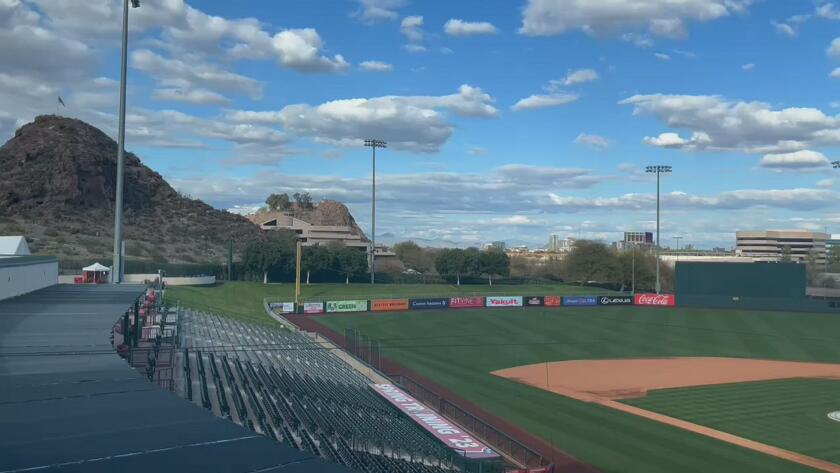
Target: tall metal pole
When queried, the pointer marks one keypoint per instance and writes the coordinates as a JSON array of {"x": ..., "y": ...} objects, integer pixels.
[
  {"x": 373, "y": 143},
  {"x": 117, "y": 269},
  {"x": 658, "y": 285},
  {"x": 373, "y": 221}
]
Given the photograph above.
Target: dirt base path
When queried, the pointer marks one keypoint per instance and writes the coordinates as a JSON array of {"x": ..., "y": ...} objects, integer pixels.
[{"x": 604, "y": 381}]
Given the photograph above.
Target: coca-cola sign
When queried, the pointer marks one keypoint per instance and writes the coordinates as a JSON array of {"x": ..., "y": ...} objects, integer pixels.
[{"x": 659, "y": 300}]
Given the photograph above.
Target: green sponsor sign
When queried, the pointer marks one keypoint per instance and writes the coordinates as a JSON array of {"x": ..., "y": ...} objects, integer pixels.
[{"x": 347, "y": 306}]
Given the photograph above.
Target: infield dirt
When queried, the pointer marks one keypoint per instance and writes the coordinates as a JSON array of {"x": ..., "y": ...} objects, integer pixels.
[{"x": 604, "y": 381}]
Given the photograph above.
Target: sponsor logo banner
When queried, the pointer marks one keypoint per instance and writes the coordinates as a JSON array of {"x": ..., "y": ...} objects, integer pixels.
[
  {"x": 282, "y": 307},
  {"x": 534, "y": 301},
  {"x": 347, "y": 306},
  {"x": 384, "y": 305},
  {"x": 461, "y": 302},
  {"x": 436, "y": 303},
  {"x": 506, "y": 301},
  {"x": 313, "y": 307},
  {"x": 553, "y": 301},
  {"x": 662, "y": 300},
  {"x": 578, "y": 301},
  {"x": 445, "y": 431},
  {"x": 615, "y": 300}
]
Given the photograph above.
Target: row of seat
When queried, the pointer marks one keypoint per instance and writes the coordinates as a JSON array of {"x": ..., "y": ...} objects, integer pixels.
[{"x": 283, "y": 385}]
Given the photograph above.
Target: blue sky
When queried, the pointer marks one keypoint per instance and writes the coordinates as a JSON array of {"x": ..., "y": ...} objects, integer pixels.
[{"x": 505, "y": 120}]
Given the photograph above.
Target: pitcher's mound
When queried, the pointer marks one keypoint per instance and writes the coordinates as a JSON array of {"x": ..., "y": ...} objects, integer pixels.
[{"x": 590, "y": 380}]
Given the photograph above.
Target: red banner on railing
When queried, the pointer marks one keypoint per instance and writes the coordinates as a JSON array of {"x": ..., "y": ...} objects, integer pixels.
[
  {"x": 445, "y": 431},
  {"x": 661, "y": 300},
  {"x": 463, "y": 302}
]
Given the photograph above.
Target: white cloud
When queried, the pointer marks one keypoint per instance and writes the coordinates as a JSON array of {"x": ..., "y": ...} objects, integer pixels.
[
  {"x": 374, "y": 11},
  {"x": 829, "y": 11},
  {"x": 580, "y": 76},
  {"x": 412, "y": 28},
  {"x": 835, "y": 73},
  {"x": 825, "y": 183},
  {"x": 376, "y": 66},
  {"x": 477, "y": 151},
  {"x": 797, "y": 160},
  {"x": 413, "y": 123},
  {"x": 748, "y": 67},
  {"x": 593, "y": 141},
  {"x": 665, "y": 18},
  {"x": 457, "y": 27},
  {"x": 784, "y": 29},
  {"x": 662, "y": 56},
  {"x": 834, "y": 48},
  {"x": 192, "y": 96},
  {"x": 543, "y": 101},
  {"x": 186, "y": 76},
  {"x": 300, "y": 49},
  {"x": 793, "y": 199},
  {"x": 720, "y": 125}
]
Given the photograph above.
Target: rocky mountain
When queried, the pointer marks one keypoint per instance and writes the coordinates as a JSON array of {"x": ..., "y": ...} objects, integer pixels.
[{"x": 58, "y": 185}]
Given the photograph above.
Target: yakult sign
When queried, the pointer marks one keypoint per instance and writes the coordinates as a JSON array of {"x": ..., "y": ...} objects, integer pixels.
[
  {"x": 508, "y": 301},
  {"x": 442, "y": 429},
  {"x": 661, "y": 300}
]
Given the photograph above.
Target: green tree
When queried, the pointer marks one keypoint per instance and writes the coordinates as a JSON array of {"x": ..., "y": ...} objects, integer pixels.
[
  {"x": 303, "y": 200},
  {"x": 413, "y": 256},
  {"x": 278, "y": 202},
  {"x": 450, "y": 262},
  {"x": 348, "y": 261},
  {"x": 643, "y": 263},
  {"x": 271, "y": 259},
  {"x": 493, "y": 263},
  {"x": 593, "y": 261},
  {"x": 786, "y": 254},
  {"x": 316, "y": 260}
]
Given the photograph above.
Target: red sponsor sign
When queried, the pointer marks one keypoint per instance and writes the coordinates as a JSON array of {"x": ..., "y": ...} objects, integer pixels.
[
  {"x": 660, "y": 300},
  {"x": 447, "y": 432},
  {"x": 386, "y": 305},
  {"x": 461, "y": 302},
  {"x": 553, "y": 301}
]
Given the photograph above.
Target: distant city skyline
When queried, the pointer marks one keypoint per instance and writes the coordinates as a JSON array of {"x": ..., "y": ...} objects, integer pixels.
[{"x": 505, "y": 121}]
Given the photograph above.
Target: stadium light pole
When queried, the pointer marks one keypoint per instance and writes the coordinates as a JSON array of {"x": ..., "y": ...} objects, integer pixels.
[
  {"x": 658, "y": 170},
  {"x": 373, "y": 144},
  {"x": 117, "y": 269}
]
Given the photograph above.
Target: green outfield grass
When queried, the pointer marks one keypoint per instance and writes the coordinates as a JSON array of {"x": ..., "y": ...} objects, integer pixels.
[
  {"x": 244, "y": 300},
  {"x": 459, "y": 349},
  {"x": 790, "y": 414}
]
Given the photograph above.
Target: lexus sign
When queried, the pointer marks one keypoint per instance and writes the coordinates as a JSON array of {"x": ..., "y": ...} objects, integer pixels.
[{"x": 615, "y": 300}]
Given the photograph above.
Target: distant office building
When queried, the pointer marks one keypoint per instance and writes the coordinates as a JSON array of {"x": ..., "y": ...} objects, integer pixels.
[
  {"x": 559, "y": 245},
  {"x": 775, "y": 245},
  {"x": 496, "y": 245},
  {"x": 638, "y": 239},
  {"x": 833, "y": 241}
]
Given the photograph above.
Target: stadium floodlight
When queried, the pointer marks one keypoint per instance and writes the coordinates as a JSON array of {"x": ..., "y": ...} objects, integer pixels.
[
  {"x": 836, "y": 164},
  {"x": 658, "y": 170},
  {"x": 373, "y": 144},
  {"x": 117, "y": 270}
]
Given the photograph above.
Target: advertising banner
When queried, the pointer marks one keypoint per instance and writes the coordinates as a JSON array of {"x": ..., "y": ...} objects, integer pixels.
[
  {"x": 462, "y": 302},
  {"x": 553, "y": 301},
  {"x": 435, "y": 303},
  {"x": 282, "y": 307},
  {"x": 615, "y": 300},
  {"x": 661, "y": 300},
  {"x": 347, "y": 306},
  {"x": 579, "y": 301},
  {"x": 534, "y": 301},
  {"x": 505, "y": 301},
  {"x": 313, "y": 307},
  {"x": 448, "y": 433},
  {"x": 386, "y": 305}
]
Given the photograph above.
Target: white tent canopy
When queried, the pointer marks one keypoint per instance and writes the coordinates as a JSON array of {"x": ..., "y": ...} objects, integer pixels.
[
  {"x": 97, "y": 267},
  {"x": 13, "y": 245}
]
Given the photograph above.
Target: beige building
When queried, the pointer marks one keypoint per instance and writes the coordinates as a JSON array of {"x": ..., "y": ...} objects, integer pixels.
[
  {"x": 773, "y": 245},
  {"x": 311, "y": 235}
]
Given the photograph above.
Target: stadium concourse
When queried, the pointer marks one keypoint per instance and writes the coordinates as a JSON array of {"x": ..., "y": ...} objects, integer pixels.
[{"x": 68, "y": 402}]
